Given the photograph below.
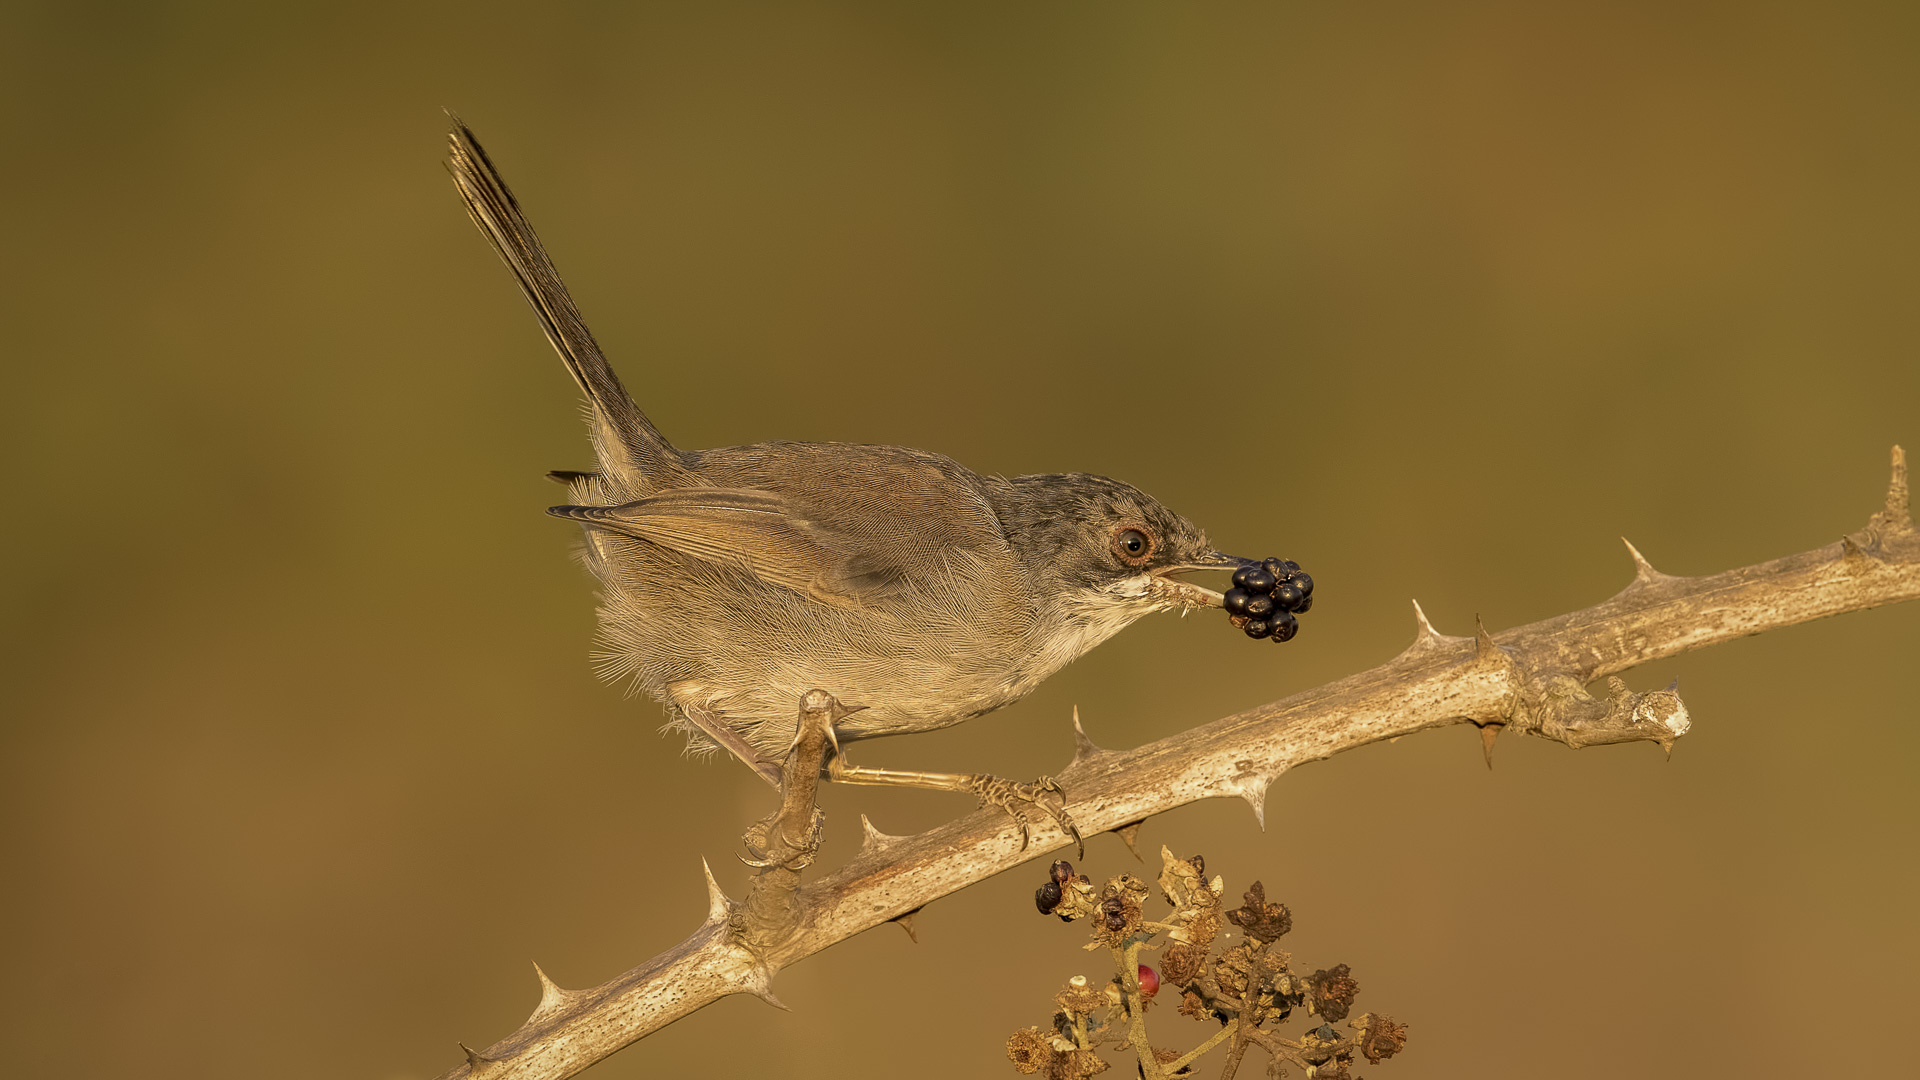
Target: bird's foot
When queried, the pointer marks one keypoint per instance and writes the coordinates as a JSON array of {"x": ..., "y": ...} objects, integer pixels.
[{"x": 1010, "y": 796}]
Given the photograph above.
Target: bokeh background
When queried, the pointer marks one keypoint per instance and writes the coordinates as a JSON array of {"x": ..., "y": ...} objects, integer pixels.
[{"x": 303, "y": 758}]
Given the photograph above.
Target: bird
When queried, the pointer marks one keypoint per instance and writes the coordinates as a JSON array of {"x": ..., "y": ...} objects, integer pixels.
[{"x": 916, "y": 591}]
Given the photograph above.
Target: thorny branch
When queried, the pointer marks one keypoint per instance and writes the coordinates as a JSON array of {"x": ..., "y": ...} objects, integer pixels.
[{"x": 1530, "y": 679}]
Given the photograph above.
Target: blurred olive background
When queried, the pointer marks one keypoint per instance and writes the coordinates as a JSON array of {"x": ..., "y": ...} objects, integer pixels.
[{"x": 303, "y": 757}]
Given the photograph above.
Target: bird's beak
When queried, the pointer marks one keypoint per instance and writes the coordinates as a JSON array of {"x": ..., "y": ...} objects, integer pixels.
[
  {"x": 1217, "y": 560},
  {"x": 1188, "y": 594}
]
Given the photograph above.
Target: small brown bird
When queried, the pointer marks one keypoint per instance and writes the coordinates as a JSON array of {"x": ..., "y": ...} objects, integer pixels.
[{"x": 916, "y": 591}]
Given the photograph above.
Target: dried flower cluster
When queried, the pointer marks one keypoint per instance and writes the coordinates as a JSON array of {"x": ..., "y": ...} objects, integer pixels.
[{"x": 1248, "y": 985}]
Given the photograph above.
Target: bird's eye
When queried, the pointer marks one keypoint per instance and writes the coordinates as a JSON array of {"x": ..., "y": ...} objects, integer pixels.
[{"x": 1132, "y": 544}]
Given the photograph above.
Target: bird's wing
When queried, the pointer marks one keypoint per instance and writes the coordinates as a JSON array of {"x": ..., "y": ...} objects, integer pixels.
[{"x": 847, "y": 552}]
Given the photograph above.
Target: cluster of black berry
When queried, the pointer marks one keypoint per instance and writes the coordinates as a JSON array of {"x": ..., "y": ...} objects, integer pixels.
[
  {"x": 1048, "y": 896},
  {"x": 1266, "y": 596}
]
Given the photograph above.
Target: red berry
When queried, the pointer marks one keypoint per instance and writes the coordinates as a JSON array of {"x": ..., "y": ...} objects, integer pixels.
[{"x": 1149, "y": 983}]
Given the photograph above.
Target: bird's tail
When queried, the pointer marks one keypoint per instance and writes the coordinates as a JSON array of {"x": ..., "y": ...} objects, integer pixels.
[{"x": 632, "y": 451}]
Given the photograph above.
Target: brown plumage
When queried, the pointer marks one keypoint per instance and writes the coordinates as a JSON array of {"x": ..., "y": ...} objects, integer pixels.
[{"x": 735, "y": 580}]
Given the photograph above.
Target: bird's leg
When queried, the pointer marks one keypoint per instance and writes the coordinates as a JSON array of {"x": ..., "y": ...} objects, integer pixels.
[{"x": 992, "y": 791}]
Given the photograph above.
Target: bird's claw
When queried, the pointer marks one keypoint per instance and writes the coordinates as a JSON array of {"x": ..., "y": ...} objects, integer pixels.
[{"x": 1007, "y": 795}]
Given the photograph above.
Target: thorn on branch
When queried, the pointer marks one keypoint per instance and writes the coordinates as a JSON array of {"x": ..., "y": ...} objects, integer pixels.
[
  {"x": 1253, "y": 788},
  {"x": 1425, "y": 638},
  {"x": 905, "y": 921},
  {"x": 873, "y": 841},
  {"x": 1643, "y": 571},
  {"x": 719, "y": 908},
  {"x": 1898, "y": 507},
  {"x": 1083, "y": 747},
  {"x": 553, "y": 997},
  {"x": 1484, "y": 650},
  {"x": 478, "y": 1064},
  {"x": 1423, "y": 629},
  {"x": 765, "y": 993},
  {"x": 1893, "y": 519},
  {"x": 1488, "y": 733}
]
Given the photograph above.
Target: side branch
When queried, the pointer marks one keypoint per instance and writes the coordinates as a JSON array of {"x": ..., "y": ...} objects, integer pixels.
[{"x": 1530, "y": 679}]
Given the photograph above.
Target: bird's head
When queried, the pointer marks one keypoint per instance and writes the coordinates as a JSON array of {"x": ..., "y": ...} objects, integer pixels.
[{"x": 1099, "y": 554}]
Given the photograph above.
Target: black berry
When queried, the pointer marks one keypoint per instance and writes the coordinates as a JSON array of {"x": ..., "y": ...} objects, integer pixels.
[
  {"x": 1047, "y": 897},
  {"x": 1266, "y": 596},
  {"x": 1062, "y": 872}
]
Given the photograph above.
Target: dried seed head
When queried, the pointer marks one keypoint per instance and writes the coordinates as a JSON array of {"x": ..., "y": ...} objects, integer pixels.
[
  {"x": 1182, "y": 961},
  {"x": 1029, "y": 1052},
  {"x": 1231, "y": 973},
  {"x": 1079, "y": 999},
  {"x": 1379, "y": 1037},
  {"x": 1262, "y": 921},
  {"x": 1319, "y": 1045},
  {"x": 1330, "y": 992}
]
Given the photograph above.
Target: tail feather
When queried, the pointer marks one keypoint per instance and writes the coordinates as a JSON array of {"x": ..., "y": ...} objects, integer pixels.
[{"x": 632, "y": 451}]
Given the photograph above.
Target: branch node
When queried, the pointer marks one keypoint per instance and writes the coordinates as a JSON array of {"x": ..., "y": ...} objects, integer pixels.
[{"x": 1560, "y": 708}]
